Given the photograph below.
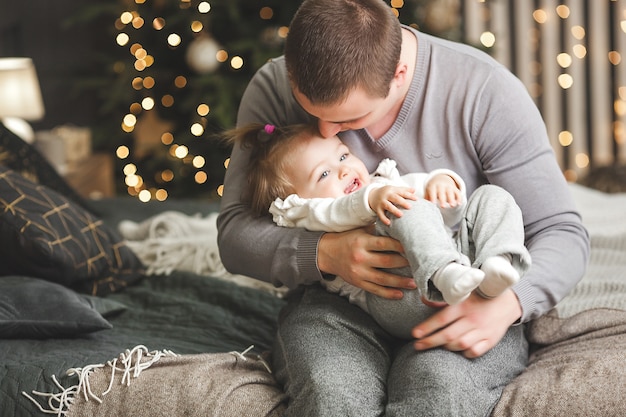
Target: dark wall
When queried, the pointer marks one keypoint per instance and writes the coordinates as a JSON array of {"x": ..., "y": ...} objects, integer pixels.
[{"x": 39, "y": 29}]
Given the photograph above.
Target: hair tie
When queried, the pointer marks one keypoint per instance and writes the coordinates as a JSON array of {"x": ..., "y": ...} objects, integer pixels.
[{"x": 264, "y": 134}]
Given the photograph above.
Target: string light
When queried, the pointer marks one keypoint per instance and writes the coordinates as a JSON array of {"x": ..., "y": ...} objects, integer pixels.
[
  {"x": 488, "y": 39},
  {"x": 578, "y": 32},
  {"x": 122, "y": 39},
  {"x": 236, "y": 62},
  {"x": 266, "y": 13},
  {"x": 197, "y": 129},
  {"x": 158, "y": 23},
  {"x": 160, "y": 194},
  {"x": 564, "y": 60},
  {"x": 147, "y": 103},
  {"x": 582, "y": 160},
  {"x": 563, "y": 11},
  {"x": 122, "y": 152},
  {"x": 201, "y": 177},
  {"x": 580, "y": 51},
  {"x": 566, "y": 138},
  {"x": 167, "y": 138},
  {"x": 144, "y": 196},
  {"x": 615, "y": 57},
  {"x": 540, "y": 16},
  {"x": 198, "y": 161},
  {"x": 167, "y": 175},
  {"x": 174, "y": 39},
  {"x": 204, "y": 7},
  {"x": 126, "y": 18}
]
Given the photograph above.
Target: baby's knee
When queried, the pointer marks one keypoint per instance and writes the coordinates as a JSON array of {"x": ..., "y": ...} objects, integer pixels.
[
  {"x": 492, "y": 195},
  {"x": 421, "y": 211}
]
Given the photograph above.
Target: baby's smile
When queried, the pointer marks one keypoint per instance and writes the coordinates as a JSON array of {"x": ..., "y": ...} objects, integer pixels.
[{"x": 353, "y": 186}]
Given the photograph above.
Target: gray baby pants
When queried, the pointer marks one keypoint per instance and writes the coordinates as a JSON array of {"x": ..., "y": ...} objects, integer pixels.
[{"x": 491, "y": 225}]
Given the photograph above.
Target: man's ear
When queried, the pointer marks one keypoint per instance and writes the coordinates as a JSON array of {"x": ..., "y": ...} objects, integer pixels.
[{"x": 400, "y": 76}]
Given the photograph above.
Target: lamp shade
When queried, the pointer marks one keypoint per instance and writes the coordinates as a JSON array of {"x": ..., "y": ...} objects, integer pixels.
[{"x": 20, "y": 95}]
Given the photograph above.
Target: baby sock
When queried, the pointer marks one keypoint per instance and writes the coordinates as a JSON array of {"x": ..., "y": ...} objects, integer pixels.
[
  {"x": 456, "y": 282},
  {"x": 499, "y": 275}
]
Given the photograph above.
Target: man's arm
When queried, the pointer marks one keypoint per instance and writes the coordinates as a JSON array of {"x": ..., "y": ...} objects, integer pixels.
[
  {"x": 516, "y": 155},
  {"x": 251, "y": 245}
]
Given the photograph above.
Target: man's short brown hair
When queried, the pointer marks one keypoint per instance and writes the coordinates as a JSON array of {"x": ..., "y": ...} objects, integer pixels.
[{"x": 335, "y": 46}]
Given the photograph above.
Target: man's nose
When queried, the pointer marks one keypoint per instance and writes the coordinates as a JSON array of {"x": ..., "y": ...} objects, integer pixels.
[{"x": 328, "y": 129}]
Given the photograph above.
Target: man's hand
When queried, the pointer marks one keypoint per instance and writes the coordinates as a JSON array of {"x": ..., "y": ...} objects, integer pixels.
[
  {"x": 356, "y": 255},
  {"x": 471, "y": 327}
]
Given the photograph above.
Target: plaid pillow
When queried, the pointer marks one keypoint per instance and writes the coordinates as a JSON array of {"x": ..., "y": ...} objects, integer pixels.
[{"x": 45, "y": 235}]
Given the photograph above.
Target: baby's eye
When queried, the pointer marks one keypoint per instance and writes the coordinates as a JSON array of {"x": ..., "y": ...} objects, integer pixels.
[
  {"x": 324, "y": 175},
  {"x": 343, "y": 157}
]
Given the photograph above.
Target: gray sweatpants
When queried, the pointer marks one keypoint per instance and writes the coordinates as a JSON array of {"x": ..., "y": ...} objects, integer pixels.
[
  {"x": 334, "y": 359},
  {"x": 491, "y": 225}
]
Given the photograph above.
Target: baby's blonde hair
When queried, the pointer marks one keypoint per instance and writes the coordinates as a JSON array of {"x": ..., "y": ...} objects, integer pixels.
[{"x": 268, "y": 167}]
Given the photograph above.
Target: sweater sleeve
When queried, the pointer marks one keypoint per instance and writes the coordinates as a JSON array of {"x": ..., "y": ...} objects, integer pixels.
[
  {"x": 515, "y": 153},
  {"x": 324, "y": 214},
  {"x": 252, "y": 245}
]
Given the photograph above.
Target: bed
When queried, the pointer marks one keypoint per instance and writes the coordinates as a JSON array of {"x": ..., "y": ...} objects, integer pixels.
[{"x": 98, "y": 323}]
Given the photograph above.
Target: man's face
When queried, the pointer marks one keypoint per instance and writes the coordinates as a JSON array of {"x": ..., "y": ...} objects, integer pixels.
[
  {"x": 325, "y": 168},
  {"x": 358, "y": 111}
]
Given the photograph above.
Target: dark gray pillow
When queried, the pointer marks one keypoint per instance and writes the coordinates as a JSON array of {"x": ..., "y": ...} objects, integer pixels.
[
  {"x": 45, "y": 235},
  {"x": 32, "y": 308}
]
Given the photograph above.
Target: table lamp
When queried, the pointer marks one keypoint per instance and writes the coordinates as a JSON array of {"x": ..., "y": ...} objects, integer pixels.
[{"x": 20, "y": 96}]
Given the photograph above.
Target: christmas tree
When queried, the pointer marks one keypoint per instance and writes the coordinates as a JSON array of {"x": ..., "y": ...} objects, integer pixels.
[{"x": 175, "y": 72}]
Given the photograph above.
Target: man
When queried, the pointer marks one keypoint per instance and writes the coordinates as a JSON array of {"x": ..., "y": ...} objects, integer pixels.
[{"x": 390, "y": 91}]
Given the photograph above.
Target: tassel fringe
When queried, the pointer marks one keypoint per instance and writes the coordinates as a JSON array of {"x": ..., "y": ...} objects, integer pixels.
[{"x": 131, "y": 363}]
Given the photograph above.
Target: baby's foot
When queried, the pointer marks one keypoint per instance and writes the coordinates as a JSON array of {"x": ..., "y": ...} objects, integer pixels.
[
  {"x": 456, "y": 282},
  {"x": 499, "y": 275}
]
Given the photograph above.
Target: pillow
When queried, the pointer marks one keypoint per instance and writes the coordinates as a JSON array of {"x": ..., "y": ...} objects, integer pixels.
[
  {"x": 37, "y": 309},
  {"x": 581, "y": 375},
  {"x": 24, "y": 158},
  {"x": 106, "y": 307},
  {"x": 45, "y": 235}
]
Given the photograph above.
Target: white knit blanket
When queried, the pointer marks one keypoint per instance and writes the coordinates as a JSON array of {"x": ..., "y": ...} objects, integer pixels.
[
  {"x": 604, "y": 283},
  {"x": 176, "y": 241}
]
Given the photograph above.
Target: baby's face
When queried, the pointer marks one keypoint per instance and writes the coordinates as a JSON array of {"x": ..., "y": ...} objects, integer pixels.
[{"x": 325, "y": 168}]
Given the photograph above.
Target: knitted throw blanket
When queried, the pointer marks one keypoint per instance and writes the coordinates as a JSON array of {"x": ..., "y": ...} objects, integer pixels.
[
  {"x": 144, "y": 383},
  {"x": 176, "y": 241},
  {"x": 604, "y": 283}
]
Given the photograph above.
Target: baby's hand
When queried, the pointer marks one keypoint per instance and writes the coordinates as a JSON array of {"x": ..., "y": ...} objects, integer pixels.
[
  {"x": 444, "y": 190},
  {"x": 390, "y": 199}
]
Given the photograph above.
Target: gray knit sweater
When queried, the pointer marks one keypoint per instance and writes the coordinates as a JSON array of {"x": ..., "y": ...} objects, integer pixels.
[{"x": 464, "y": 111}]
